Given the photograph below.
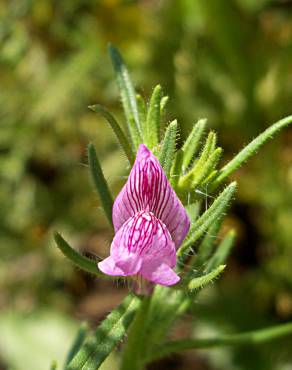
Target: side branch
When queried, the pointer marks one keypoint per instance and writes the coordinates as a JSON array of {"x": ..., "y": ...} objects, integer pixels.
[{"x": 251, "y": 337}]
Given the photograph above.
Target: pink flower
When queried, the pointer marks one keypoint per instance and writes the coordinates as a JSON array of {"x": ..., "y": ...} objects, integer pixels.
[{"x": 150, "y": 224}]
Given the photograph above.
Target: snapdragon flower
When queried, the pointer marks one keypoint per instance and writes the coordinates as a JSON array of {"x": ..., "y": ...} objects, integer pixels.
[{"x": 150, "y": 224}]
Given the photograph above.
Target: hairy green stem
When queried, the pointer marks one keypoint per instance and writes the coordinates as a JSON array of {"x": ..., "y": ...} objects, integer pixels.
[{"x": 135, "y": 345}]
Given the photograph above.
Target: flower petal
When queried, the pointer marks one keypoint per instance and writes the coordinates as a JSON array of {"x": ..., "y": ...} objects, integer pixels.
[
  {"x": 159, "y": 274},
  {"x": 109, "y": 267},
  {"x": 141, "y": 246},
  {"x": 148, "y": 189}
]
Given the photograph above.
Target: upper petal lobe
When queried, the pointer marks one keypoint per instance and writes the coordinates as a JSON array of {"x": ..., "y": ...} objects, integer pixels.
[{"x": 148, "y": 189}]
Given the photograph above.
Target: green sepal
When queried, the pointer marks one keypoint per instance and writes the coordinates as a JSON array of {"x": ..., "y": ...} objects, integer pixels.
[
  {"x": 80, "y": 261},
  {"x": 117, "y": 130},
  {"x": 166, "y": 155},
  {"x": 199, "y": 282},
  {"x": 128, "y": 96},
  {"x": 100, "y": 183},
  {"x": 100, "y": 344},
  {"x": 152, "y": 132},
  {"x": 208, "y": 217},
  {"x": 193, "y": 142}
]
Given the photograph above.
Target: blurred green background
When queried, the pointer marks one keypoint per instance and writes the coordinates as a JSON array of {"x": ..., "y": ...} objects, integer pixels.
[{"x": 229, "y": 61}]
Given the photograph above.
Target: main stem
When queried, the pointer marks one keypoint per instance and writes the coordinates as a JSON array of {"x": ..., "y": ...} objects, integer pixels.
[{"x": 132, "y": 358}]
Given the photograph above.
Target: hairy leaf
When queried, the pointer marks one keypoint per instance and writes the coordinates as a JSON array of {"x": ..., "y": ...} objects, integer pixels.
[
  {"x": 193, "y": 142},
  {"x": 250, "y": 150},
  {"x": 200, "y": 281},
  {"x": 101, "y": 343},
  {"x": 211, "y": 215},
  {"x": 124, "y": 142},
  {"x": 80, "y": 261},
  {"x": 166, "y": 155},
  {"x": 128, "y": 96},
  {"x": 153, "y": 119},
  {"x": 78, "y": 341},
  {"x": 100, "y": 183}
]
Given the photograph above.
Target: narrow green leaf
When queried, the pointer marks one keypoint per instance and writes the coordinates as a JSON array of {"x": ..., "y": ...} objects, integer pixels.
[
  {"x": 117, "y": 130},
  {"x": 209, "y": 147},
  {"x": 128, "y": 96},
  {"x": 166, "y": 155},
  {"x": 135, "y": 345},
  {"x": 163, "y": 104},
  {"x": 176, "y": 168},
  {"x": 222, "y": 251},
  {"x": 100, "y": 183},
  {"x": 215, "y": 211},
  {"x": 193, "y": 142},
  {"x": 207, "y": 245},
  {"x": 205, "y": 171},
  {"x": 207, "y": 181},
  {"x": 77, "y": 343},
  {"x": 252, "y": 338},
  {"x": 193, "y": 211},
  {"x": 99, "y": 345},
  {"x": 203, "y": 280},
  {"x": 153, "y": 119},
  {"x": 250, "y": 150},
  {"x": 142, "y": 111},
  {"x": 80, "y": 261}
]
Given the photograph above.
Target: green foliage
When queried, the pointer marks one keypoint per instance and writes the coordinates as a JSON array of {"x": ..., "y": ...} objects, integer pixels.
[
  {"x": 100, "y": 182},
  {"x": 253, "y": 337},
  {"x": 117, "y": 130},
  {"x": 206, "y": 247},
  {"x": 192, "y": 143},
  {"x": 78, "y": 341},
  {"x": 80, "y": 261},
  {"x": 135, "y": 345},
  {"x": 152, "y": 128},
  {"x": 222, "y": 251},
  {"x": 201, "y": 281},
  {"x": 128, "y": 96},
  {"x": 210, "y": 216},
  {"x": 166, "y": 155},
  {"x": 250, "y": 150},
  {"x": 100, "y": 344}
]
